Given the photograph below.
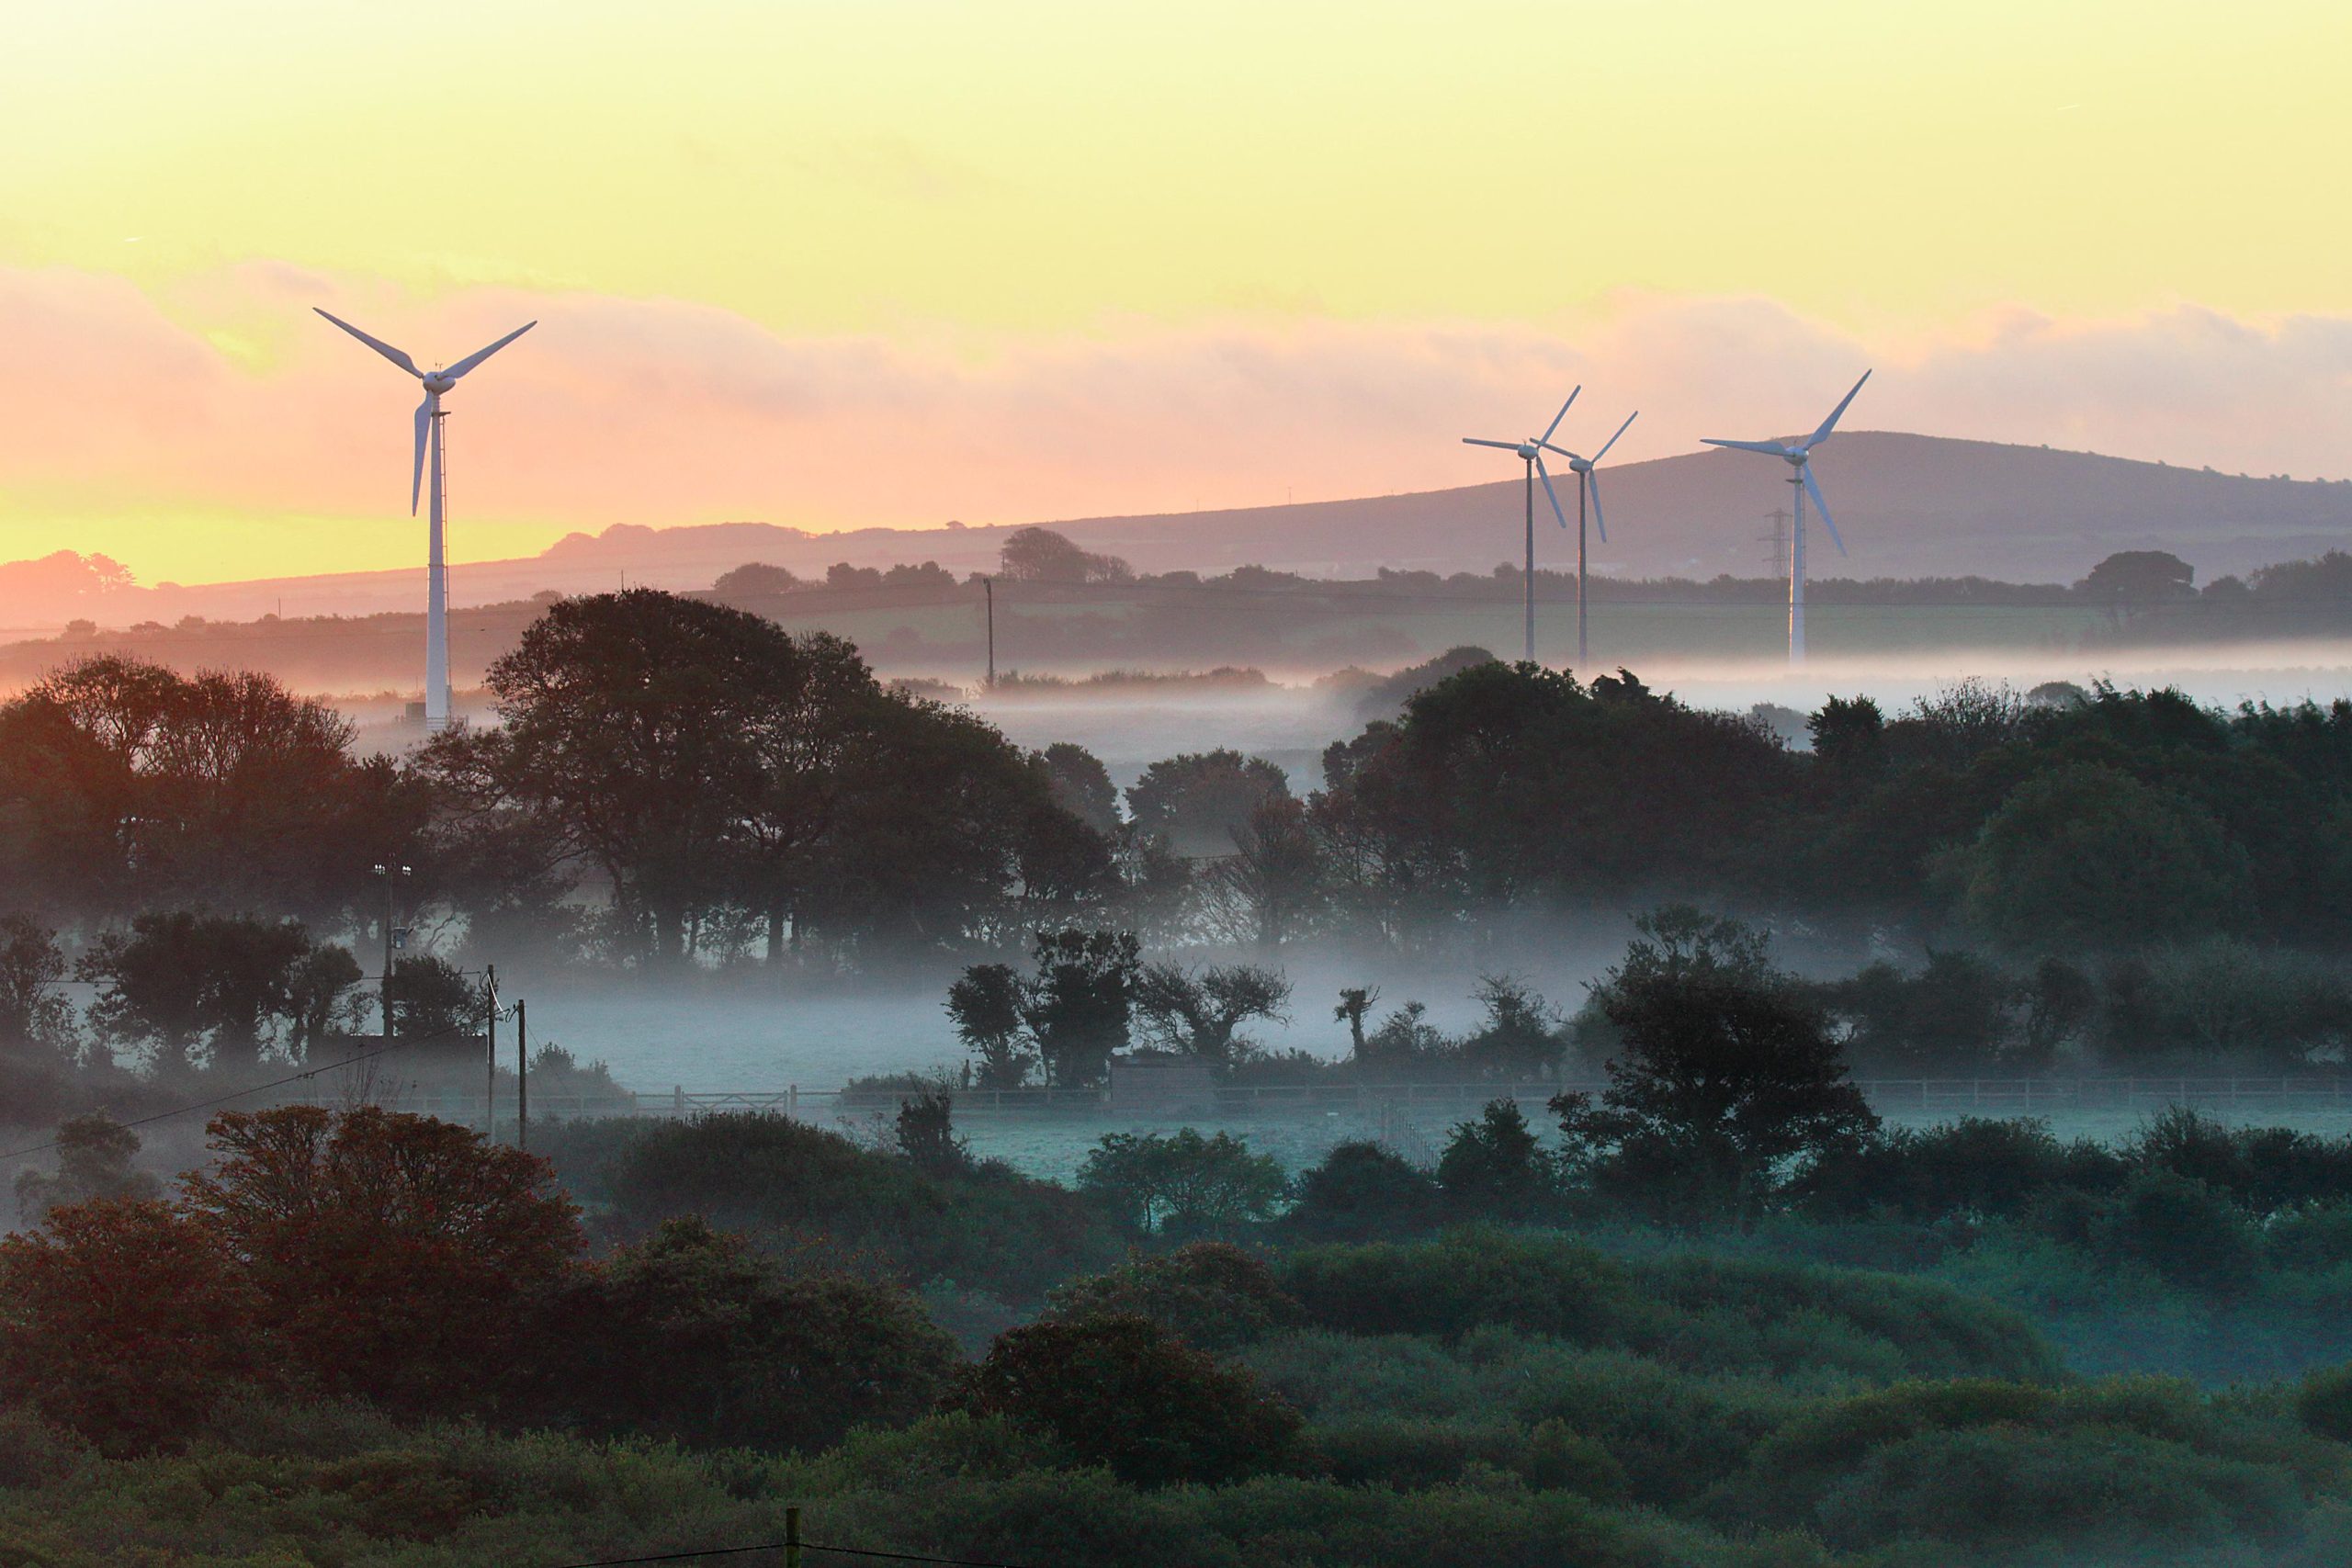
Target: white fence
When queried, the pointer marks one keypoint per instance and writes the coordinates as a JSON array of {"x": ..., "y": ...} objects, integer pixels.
[{"x": 1989, "y": 1096}]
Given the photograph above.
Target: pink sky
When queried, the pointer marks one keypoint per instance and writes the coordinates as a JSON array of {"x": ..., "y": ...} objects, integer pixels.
[{"x": 228, "y": 398}]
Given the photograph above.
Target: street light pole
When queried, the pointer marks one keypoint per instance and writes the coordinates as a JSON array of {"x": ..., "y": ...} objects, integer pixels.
[{"x": 384, "y": 981}]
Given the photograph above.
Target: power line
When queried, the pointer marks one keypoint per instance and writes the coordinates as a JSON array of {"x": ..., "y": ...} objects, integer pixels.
[
  {"x": 254, "y": 1088},
  {"x": 781, "y": 1545}
]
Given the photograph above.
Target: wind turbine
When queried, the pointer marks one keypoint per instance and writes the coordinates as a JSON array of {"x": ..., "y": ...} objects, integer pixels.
[
  {"x": 1531, "y": 451},
  {"x": 1797, "y": 456},
  {"x": 1588, "y": 479},
  {"x": 436, "y": 574}
]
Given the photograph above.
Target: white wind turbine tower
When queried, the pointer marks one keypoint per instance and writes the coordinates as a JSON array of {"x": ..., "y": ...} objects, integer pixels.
[
  {"x": 1588, "y": 482},
  {"x": 436, "y": 575},
  {"x": 1796, "y": 457},
  {"x": 1531, "y": 452}
]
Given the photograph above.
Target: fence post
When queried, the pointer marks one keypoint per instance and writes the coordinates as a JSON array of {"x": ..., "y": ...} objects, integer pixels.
[{"x": 792, "y": 1538}]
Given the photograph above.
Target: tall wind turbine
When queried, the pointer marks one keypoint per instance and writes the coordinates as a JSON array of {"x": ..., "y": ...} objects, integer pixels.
[
  {"x": 1796, "y": 456},
  {"x": 436, "y": 574},
  {"x": 1588, "y": 480},
  {"x": 1531, "y": 452}
]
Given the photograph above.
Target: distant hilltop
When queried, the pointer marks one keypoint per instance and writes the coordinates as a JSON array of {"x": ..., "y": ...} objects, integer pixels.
[{"x": 1908, "y": 506}]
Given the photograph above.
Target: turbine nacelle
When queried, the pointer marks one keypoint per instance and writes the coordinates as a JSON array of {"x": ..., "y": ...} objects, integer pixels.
[{"x": 439, "y": 381}]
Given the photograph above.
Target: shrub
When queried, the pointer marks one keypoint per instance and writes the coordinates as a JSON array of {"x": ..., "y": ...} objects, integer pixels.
[
  {"x": 2323, "y": 1401},
  {"x": 777, "y": 1180},
  {"x": 1361, "y": 1190},
  {"x": 2188, "y": 1234},
  {"x": 1181, "y": 1183},
  {"x": 1209, "y": 1294},
  {"x": 1117, "y": 1390},
  {"x": 126, "y": 1323},
  {"x": 693, "y": 1337}
]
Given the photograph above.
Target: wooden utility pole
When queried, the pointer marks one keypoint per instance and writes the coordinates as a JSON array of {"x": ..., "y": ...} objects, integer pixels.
[
  {"x": 489, "y": 1057},
  {"x": 987, "y": 585},
  {"x": 522, "y": 1076},
  {"x": 792, "y": 1538}
]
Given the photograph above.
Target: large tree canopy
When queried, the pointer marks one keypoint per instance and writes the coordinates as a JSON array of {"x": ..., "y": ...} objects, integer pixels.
[
  {"x": 716, "y": 774},
  {"x": 125, "y": 786}
]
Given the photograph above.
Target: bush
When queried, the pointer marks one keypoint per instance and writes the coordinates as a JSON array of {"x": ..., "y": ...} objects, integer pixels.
[
  {"x": 1361, "y": 1190},
  {"x": 1117, "y": 1390},
  {"x": 2188, "y": 1234},
  {"x": 2323, "y": 1401},
  {"x": 1181, "y": 1183},
  {"x": 1209, "y": 1294},
  {"x": 779, "y": 1181},
  {"x": 693, "y": 1337}
]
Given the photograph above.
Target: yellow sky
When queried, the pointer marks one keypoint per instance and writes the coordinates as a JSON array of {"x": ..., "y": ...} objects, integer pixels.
[{"x": 1026, "y": 172}]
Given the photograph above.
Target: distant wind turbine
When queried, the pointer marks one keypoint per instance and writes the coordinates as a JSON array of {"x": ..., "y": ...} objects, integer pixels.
[
  {"x": 436, "y": 577},
  {"x": 1588, "y": 480},
  {"x": 1797, "y": 456},
  {"x": 1531, "y": 451}
]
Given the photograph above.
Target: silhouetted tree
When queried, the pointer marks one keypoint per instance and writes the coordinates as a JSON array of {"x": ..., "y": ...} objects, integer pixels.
[{"x": 1727, "y": 1074}]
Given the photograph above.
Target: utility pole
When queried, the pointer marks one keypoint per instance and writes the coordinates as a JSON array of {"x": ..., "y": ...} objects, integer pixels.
[
  {"x": 987, "y": 585},
  {"x": 522, "y": 1076},
  {"x": 384, "y": 981},
  {"x": 489, "y": 1056}
]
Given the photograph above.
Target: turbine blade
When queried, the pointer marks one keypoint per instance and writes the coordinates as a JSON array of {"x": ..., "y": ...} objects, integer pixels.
[
  {"x": 1560, "y": 451},
  {"x": 423, "y": 426},
  {"x": 1551, "y": 492},
  {"x": 1558, "y": 417},
  {"x": 379, "y": 344},
  {"x": 478, "y": 355},
  {"x": 1592, "y": 482},
  {"x": 1506, "y": 445},
  {"x": 1770, "y": 449},
  {"x": 1620, "y": 430},
  {"x": 1812, "y": 488},
  {"x": 1831, "y": 423}
]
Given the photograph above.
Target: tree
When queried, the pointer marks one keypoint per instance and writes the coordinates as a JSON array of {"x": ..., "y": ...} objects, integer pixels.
[
  {"x": 35, "y": 1021},
  {"x": 1040, "y": 555},
  {"x": 1726, "y": 1074},
  {"x": 692, "y": 1337},
  {"x": 1083, "y": 786},
  {"x": 2083, "y": 855},
  {"x": 125, "y": 1323},
  {"x": 988, "y": 1002},
  {"x": 1522, "y": 1035},
  {"x": 432, "y": 999},
  {"x": 1181, "y": 1183},
  {"x": 711, "y": 771},
  {"x": 93, "y": 1156},
  {"x": 1355, "y": 1004},
  {"x": 191, "y": 988},
  {"x": 1199, "y": 800},
  {"x": 753, "y": 579},
  {"x": 1275, "y": 874},
  {"x": 1199, "y": 1012},
  {"x": 124, "y": 786},
  {"x": 927, "y": 1138},
  {"x": 2139, "y": 577},
  {"x": 394, "y": 1257},
  {"x": 1117, "y": 1390},
  {"x": 1362, "y": 1191},
  {"x": 1494, "y": 1166}
]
